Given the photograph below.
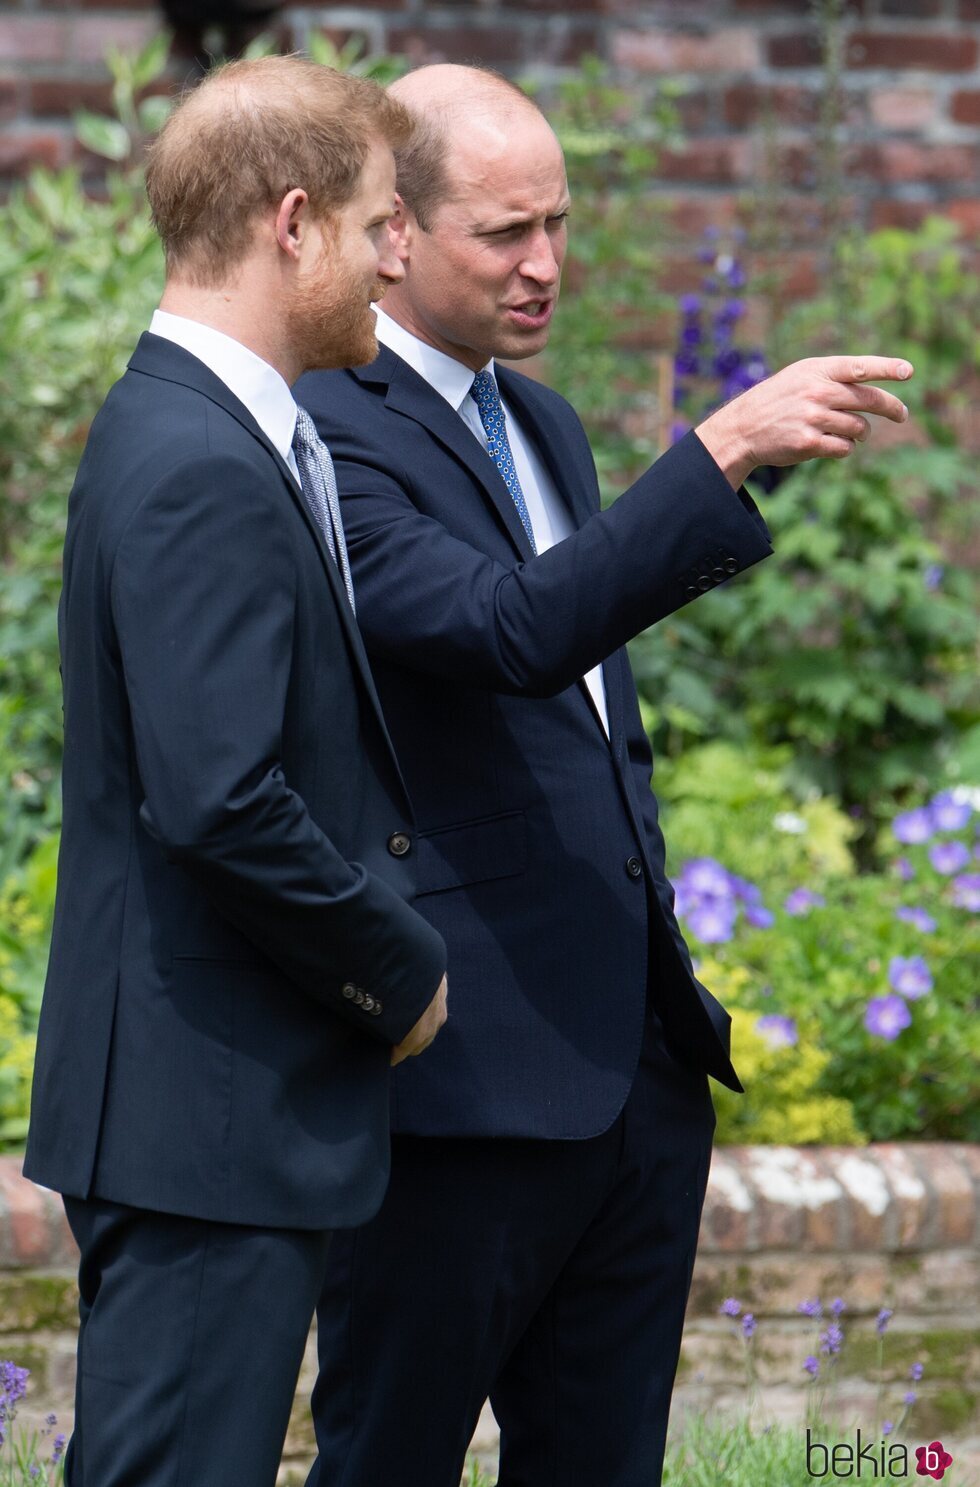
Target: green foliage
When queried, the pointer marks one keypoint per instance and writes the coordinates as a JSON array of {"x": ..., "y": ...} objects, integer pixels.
[
  {"x": 786, "y": 1101},
  {"x": 599, "y": 354},
  {"x": 26, "y": 909}
]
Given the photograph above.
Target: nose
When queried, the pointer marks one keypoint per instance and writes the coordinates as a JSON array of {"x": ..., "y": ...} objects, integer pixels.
[{"x": 540, "y": 262}]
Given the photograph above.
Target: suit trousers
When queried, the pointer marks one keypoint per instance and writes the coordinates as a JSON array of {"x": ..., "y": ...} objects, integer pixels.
[
  {"x": 192, "y": 1335},
  {"x": 551, "y": 1276}
]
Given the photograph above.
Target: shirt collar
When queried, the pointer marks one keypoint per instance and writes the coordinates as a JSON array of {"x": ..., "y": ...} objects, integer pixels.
[
  {"x": 253, "y": 381},
  {"x": 444, "y": 374}
]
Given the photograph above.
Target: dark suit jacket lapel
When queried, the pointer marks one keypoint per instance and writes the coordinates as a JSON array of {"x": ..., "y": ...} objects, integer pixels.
[
  {"x": 157, "y": 357},
  {"x": 410, "y": 394}
]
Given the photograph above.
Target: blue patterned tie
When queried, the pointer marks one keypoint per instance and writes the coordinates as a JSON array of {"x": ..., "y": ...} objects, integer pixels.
[
  {"x": 319, "y": 484},
  {"x": 487, "y": 400}
]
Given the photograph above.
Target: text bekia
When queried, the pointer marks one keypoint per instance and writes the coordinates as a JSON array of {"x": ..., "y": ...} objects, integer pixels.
[{"x": 872, "y": 1459}]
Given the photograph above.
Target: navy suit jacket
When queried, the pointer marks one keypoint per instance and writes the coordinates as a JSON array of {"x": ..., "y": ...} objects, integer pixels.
[
  {"x": 232, "y": 956},
  {"x": 541, "y": 861}
]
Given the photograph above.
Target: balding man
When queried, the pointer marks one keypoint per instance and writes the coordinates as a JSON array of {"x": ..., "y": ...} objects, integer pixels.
[
  {"x": 233, "y": 967},
  {"x": 537, "y": 1239}
]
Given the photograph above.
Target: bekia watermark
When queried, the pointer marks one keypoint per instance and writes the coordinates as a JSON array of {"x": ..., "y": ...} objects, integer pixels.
[{"x": 874, "y": 1458}]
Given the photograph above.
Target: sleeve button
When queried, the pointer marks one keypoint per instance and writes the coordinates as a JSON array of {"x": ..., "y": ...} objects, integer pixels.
[
  {"x": 704, "y": 583},
  {"x": 377, "y": 1009},
  {"x": 718, "y": 574},
  {"x": 731, "y": 565},
  {"x": 348, "y": 990}
]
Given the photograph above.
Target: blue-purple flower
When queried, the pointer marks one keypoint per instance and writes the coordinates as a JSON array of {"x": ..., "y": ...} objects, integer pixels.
[
  {"x": 916, "y": 1372},
  {"x": 909, "y": 1398},
  {"x": 933, "y": 576},
  {"x": 887, "y": 1426},
  {"x": 58, "y": 1449},
  {"x": 811, "y": 1365},
  {"x": 801, "y": 901},
  {"x": 748, "y": 1326},
  {"x": 713, "y": 920},
  {"x": 886, "y": 1017},
  {"x": 759, "y": 916},
  {"x": 810, "y": 1308},
  {"x": 778, "y": 1031},
  {"x": 831, "y": 1340},
  {"x": 966, "y": 892},
  {"x": 730, "y": 1307},
  {"x": 917, "y": 917},
  {"x": 904, "y": 869},
  {"x": 838, "y": 1307},
  {"x": 949, "y": 857},
  {"x": 882, "y": 1320},
  {"x": 913, "y": 827},
  {"x": 909, "y": 976},
  {"x": 949, "y": 810}
]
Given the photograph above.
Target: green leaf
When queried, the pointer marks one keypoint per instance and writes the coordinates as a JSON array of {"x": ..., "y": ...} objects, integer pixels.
[
  {"x": 151, "y": 61},
  {"x": 106, "y": 137},
  {"x": 153, "y": 114}
]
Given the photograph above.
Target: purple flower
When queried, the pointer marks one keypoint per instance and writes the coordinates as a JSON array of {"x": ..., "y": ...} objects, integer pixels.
[
  {"x": 690, "y": 304},
  {"x": 736, "y": 276},
  {"x": 746, "y": 892},
  {"x": 917, "y": 917},
  {"x": 916, "y": 1372},
  {"x": 13, "y": 1382},
  {"x": 812, "y": 1366},
  {"x": 966, "y": 892},
  {"x": 748, "y": 1326},
  {"x": 949, "y": 812},
  {"x": 801, "y": 901},
  {"x": 909, "y": 1397},
  {"x": 51, "y": 1420},
  {"x": 759, "y": 916},
  {"x": 909, "y": 976},
  {"x": 887, "y": 1426},
  {"x": 912, "y": 827},
  {"x": 904, "y": 869},
  {"x": 686, "y": 364},
  {"x": 58, "y": 1449},
  {"x": 949, "y": 857},
  {"x": 705, "y": 875},
  {"x": 712, "y": 921},
  {"x": 882, "y": 1320},
  {"x": 810, "y": 1308},
  {"x": 886, "y": 1016},
  {"x": 678, "y": 431},
  {"x": 691, "y": 335},
  {"x": 34, "y": 1472},
  {"x": 831, "y": 1340},
  {"x": 730, "y": 1307},
  {"x": 779, "y": 1032},
  {"x": 838, "y": 1307},
  {"x": 933, "y": 577}
]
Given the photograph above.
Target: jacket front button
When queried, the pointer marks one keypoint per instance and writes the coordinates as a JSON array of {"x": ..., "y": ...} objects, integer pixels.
[
  {"x": 348, "y": 990},
  {"x": 399, "y": 843},
  {"x": 634, "y": 867}
]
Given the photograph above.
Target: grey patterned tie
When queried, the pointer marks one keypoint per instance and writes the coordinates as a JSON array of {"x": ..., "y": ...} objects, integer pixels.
[{"x": 320, "y": 489}]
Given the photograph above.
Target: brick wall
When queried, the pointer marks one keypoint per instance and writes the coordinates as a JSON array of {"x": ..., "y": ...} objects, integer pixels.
[
  {"x": 888, "y": 1225},
  {"x": 911, "y": 82}
]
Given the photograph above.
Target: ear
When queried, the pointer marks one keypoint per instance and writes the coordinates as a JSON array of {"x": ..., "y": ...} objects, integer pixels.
[
  {"x": 292, "y": 222},
  {"x": 402, "y": 228}
]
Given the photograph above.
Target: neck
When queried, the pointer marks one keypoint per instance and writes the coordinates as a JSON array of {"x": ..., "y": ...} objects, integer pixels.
[
  {"x": 234, "y": 310},
  {"x": 398, "y": 307}
]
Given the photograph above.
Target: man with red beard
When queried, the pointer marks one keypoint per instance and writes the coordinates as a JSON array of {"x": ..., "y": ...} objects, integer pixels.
[{"x": 234, "y": 967}]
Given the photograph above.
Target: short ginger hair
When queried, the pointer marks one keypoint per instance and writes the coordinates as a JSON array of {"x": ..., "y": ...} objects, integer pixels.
[{"x": 251, "y": 132}]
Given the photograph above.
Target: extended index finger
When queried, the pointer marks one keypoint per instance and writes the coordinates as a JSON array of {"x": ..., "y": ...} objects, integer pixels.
[{"x": 868, "y": 369}]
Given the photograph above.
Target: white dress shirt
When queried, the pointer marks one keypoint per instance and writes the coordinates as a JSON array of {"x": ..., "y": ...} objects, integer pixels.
[
  {"x": 551, "y": 521},
  {"x": 254, "y": 382}
]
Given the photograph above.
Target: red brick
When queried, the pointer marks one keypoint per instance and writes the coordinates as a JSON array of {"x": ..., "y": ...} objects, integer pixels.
[
  {"x": 849, "y": 7},
  {"x": 59, "y": 98},
  {"x": 970, "y": 10},
  {"x": 800, "y": 49},
  {"x": 965, "y": 107},
  {"x": 725, "y": 1222},
  {"x": 696, "y": 112},
  {"x": 26, "y": 38},
  {"x": 967, "y": 214},
  {"x": 114, "y": 5},
  {"x": 10, "y": 102},
  {"x": 714, "y": 162},
  {"x": 729, "y": 49},
  {"x": 689, "y": 214},
  {"x": 903, "y": 109},
  {"x": 932, "y": 53},
  {"x": 26, "y": 1211},
  {"x": 22, "y": 150},
  {"x": 889, "y": 212},
  {"x": 94, "y": 35},
  {"x": 422, "y": 44},
  {"x": 748, "y": 103},
  {"x": 902, "y": 161},
  {"x": 914, "y": 8}
]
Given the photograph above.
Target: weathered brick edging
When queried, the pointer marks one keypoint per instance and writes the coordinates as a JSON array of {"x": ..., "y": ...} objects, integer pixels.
[{"x": 889, "y": 1225}]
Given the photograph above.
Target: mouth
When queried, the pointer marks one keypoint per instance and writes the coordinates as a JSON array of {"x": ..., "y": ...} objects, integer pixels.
[{"x": 532, "y": 314}]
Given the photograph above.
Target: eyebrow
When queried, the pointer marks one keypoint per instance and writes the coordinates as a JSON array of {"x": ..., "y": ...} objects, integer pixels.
[{"x": 521, "y": 220}]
